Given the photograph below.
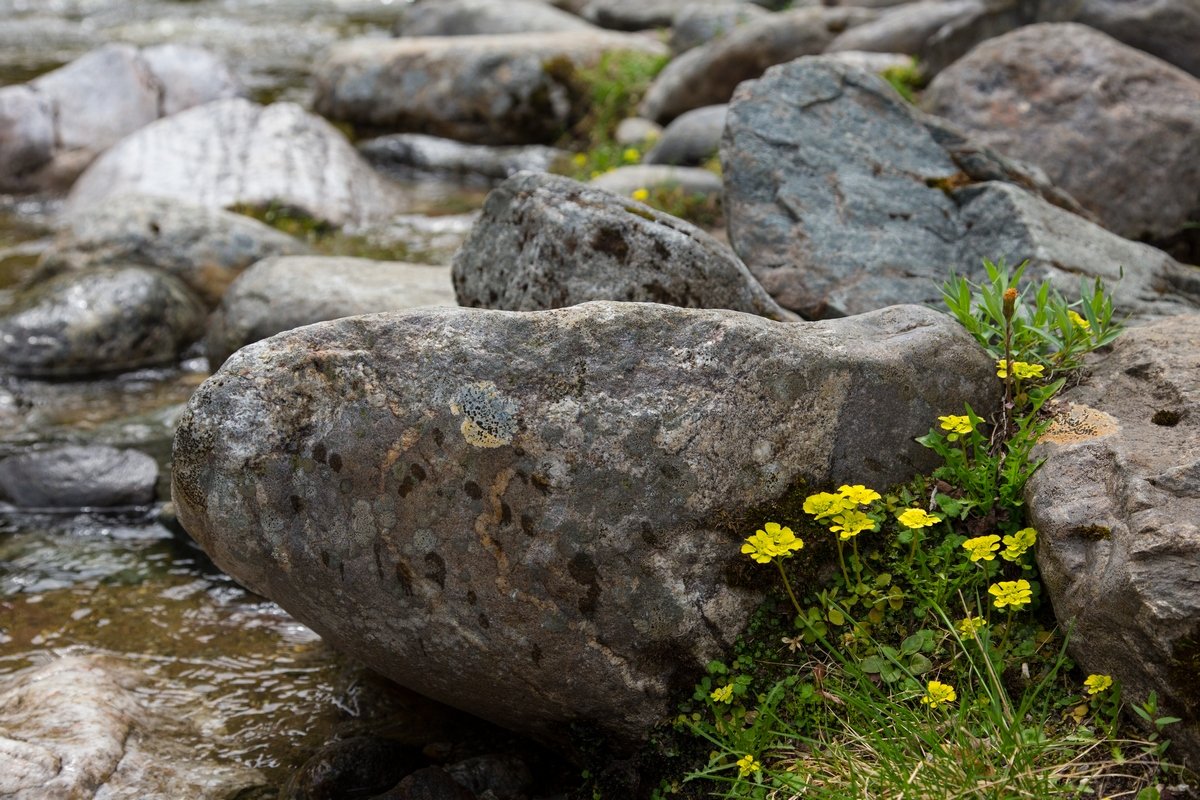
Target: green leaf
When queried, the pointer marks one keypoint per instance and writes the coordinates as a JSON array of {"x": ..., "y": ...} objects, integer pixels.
[
  {"x": 836, "y": 617},
  {"x": 919, "y": 664}
]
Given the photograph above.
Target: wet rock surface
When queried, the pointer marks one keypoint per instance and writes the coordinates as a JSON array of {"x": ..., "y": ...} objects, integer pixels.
[
  {"x": 79, "y": 477},
  {"x": 530, "y": 515},
  {"x": 1115, "y": 509},
  {"x": 546, "y": 242}
]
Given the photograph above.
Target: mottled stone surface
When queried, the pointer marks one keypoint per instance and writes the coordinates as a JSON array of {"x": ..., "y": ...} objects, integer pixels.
[
  {"x": 841, "y": 197},
  {"x": 73, "y": 476},
  {"x": 234, "y": 152},
  {"x": 545, "y": 241},
  {"x": 105, "y": 319},
  {"x": 484, "y": 17},
  {"x": 535, "y": 516},
  {"x": 1118, "y": 129},
  {"x": 1116, "y": 507},
  {"x": 204, "y": 247},
  {"x": 278, "y": 294},
  {"x": 1168, "y": 29},
  {"x": 514, "y": 89}
]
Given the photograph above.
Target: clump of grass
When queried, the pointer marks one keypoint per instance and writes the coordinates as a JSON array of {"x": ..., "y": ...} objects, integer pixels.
[{"x": 906, "y": 80}]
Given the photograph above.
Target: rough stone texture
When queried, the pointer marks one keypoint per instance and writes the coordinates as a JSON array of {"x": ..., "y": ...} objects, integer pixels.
[
  {"x": 279, "y": 294},
  {"x": 841, "y": 197},
  {"x": 692, "y": 138},
  {"x": 697, "y": 23},
  {"x": 1118, "y": 129},
  {"x": 1116, "y": 507},
  {"x": 1168, "y": 29},
  {"x": 534, "y": 516},
  {"x": 627, "y": 180},
  {"x": 365, "y": 765},
  {"x": 485, "y": 17},
  {"x": 407, "y": 152},
  {"x": 79, "y": 477},
  {"x": 106, "y": 319},
  {"x": 76, "y": 728},
  {"x": 515, "y": 89},
  {"x": 93, "y": 102},
  {"x": 204, "y": 247},
  {"x": 236, "y": 152},
  {"x": 548, "y": 242},
  {"x": 707, "y": 75}
]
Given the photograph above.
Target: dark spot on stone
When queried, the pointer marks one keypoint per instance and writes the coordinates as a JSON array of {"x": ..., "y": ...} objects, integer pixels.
[
  {"x": 583, "y": 570},
  {"x": 471, "y": 597},
  {"x": 536, "y": 654},
  {"x": 493, "y": 296},
  {"x": 661, "y": 251},
  {"x": 404, "y": 577},
  {"x": 438, "y": 436},
  {"x": 648, "y": 534},
  {"x": 484, "y": 622},
  {"x": 1093, "y": 532},
  {"x": 437, "y": 569},
  {"x": 540, "y": 483},
  {"x": 669, "y": 471},
  {"x": 1139, "y": 371},
  {"x": 505, "y": 514},
  {"x": 1168, "y": 419},
  {"x": 154, "y": 228},
  {"x": 610, "y": 239},
  {"x": 518, "y": 451},
  {"x": 527, "y": 525},
  {"x": 379, "y": 558},
  {"x": 405, "y": 487},
  {"x": 335, "y": 462},
  {"x": 318, "y": 453},
  {"x": 325, "y": 558},
  {"x": 418, "y": 472},
  {"x": 342, "y": 570},
  {"x": 472, "y": 489},
  {"x": 297, "y": 503}
]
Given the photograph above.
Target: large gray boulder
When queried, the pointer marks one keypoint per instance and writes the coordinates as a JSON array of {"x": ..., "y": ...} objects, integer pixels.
[
  {"x": 545, "y": 241},
  {"x": 514, "y": 89},
  {"x": 204, "y": 247},
  {"x": 535, "y": 516},
  {"x": 105, "y": 319},
  {"x": 841, "y": 197},
  {"x": 1168, "y": 29},
  {"x": 707, "y": 75},
  {"x": 76, "y": 727},
  {"x": 484, "y": 17},
  {"x": 1116, "y": 507},
  {"x": 53, "y": 126},
  {"x": 1118, "y": 129},
  {"x": 233, "y": 152},
  {"x": 279, "y": 294},
  {"x": 73, "y": 476}
]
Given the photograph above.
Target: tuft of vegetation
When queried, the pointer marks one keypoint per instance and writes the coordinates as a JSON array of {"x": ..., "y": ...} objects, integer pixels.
[{"x": 906, "y": 80}]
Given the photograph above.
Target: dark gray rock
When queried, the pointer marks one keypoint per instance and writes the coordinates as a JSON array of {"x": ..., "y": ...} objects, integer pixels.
[
  {"x": 79, "y": 477},
  {"x": 1118, "y": 129},
  {"x": 1116, "y": 507},
  {"x": 484, "y": 17},
  {"x": 841, "y": 197},
  {"x": 707, "y": 75},
  {"x": 358, "y": 767},
  {"x": 691, "y": 181},
  {"x": 535, "y": 516},
  {"x": 514, "y": 89},
  {"x": 905, "y": 28},
  {"x": 1168, "y": 29},
  {"x": 507, "y": 777},
  {"x": 637, "y": 15},
  {"x": 106, "y": 319},
  {"x": 430, "y": 783},
  {"x": 697, "y": 23},
  {"x": 691, "y": 139},
  {"x": 232, "y": 152},
  {"x": 994, "y": 18},
  {"x": 278, "y": 294},
  {"x": 204, "y": 247},
  {"x": 407, "y": 152},
  {"x": 545, "y": 241}
]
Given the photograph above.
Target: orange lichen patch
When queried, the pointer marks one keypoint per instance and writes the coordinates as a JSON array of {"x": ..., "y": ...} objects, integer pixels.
[{"x": 1079, "y": 423}]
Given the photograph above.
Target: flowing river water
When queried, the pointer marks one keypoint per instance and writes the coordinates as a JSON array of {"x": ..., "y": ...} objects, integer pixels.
[{"x": 258, "y": 688}]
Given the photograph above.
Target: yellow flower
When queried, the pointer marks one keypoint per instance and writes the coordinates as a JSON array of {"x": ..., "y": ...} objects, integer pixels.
[
  {"x": 723, "y": 694},
  {"x": 631, "y": 155},
  {"x": 858, "y": 495},
  {"x": 1018, "y": 543},
  {"x": 579, "y": 159},
  {"x": 1011, "y": 593},
  {"x": 958, "y": 425},
  {"x": 917, "y": 518},
  {"x": 747, "y": 764},
  {"x": 982, "y": 547},
  {"x": 1020, "y": 370},
  {"x": 1079, "y": 321},
  {"x": 938, "y": 693},
  {"x": 641, "y": 195},
  {"x": 849, "y": 524},
  {"x": 1096, "y": 684},
  {"x": 969, "y": 626},
  {"x": 825, "y": 504},
  {"x": 771, "y": 541}
]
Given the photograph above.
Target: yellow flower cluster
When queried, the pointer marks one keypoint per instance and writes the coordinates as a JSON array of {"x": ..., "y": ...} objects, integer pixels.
[
  {"x": 723, "y": 694},
  {"x": 958, "y": 424},
  {"x": 1095, "y": 684},
  {"x": 917, "y": 518},
  {"x": 982, "y": 548},
  {"x": 841, "y": 511},
  {"x": 1018, "y": 543},
  {"x": 969, "y": 626},
  {"x": 747, "y": 765},
  {"x": 1015, "y": 594},
  {"x": 938, "y": 693},
  {"x": 772, "y": 541},
  {"x": 1020, "y": 369},
  {"x": 641, "y": 195},
  {"x": 1079, "y": 321}
]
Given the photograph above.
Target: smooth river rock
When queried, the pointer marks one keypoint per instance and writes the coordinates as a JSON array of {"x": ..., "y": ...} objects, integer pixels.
[
  {"x": 407, "y": 153},
  {"x": 485, "y": 17},
  {"x": 233, "y": 152},
  {"x": 1168, "y": 29},
  {"x": 535, "y": 516},
  {"x": 544, "y": 241},
  {"x": 1116, "y": 506},
  {"x": 72, "y": 476}
]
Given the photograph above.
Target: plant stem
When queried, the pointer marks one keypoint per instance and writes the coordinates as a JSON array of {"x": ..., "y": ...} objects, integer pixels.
[
  {"x": 788, "y": 585},
  {"x": 842, "y": 561}
]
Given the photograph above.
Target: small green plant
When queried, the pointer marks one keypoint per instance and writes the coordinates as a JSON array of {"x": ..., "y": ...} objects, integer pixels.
[{"x": 907, "y": 80}]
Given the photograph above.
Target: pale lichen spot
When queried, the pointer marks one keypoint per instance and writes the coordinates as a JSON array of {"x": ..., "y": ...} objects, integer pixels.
[
  {"x": 489, "y": 418},
  {"x": 1079, "y": 423}
]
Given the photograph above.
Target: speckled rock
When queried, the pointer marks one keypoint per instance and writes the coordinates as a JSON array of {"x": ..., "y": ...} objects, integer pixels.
[
  {"x": 204, "y": 247},
  {"x": 72, "y": 476},
  {"x": 707, "y": 75},
  {"x": 484, "y": 17},
  {"x": 513, "y": 89},
  {"x": 232, "y": 152},
  {"x": 1118, "y": 129},
  {"x": 534, "y": 516},
  {"x": 841, "y": 197},
  {"x": 105, "y": 319},
  {"x": 278, "y": 294},
  {"x": 1116, "y": 507},
  {"x": 76, "y": 728},
  {"x": 545, "y": 241},
  {"x": 1168, "y": 29},
  {"x": 691, "y": 139}
]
